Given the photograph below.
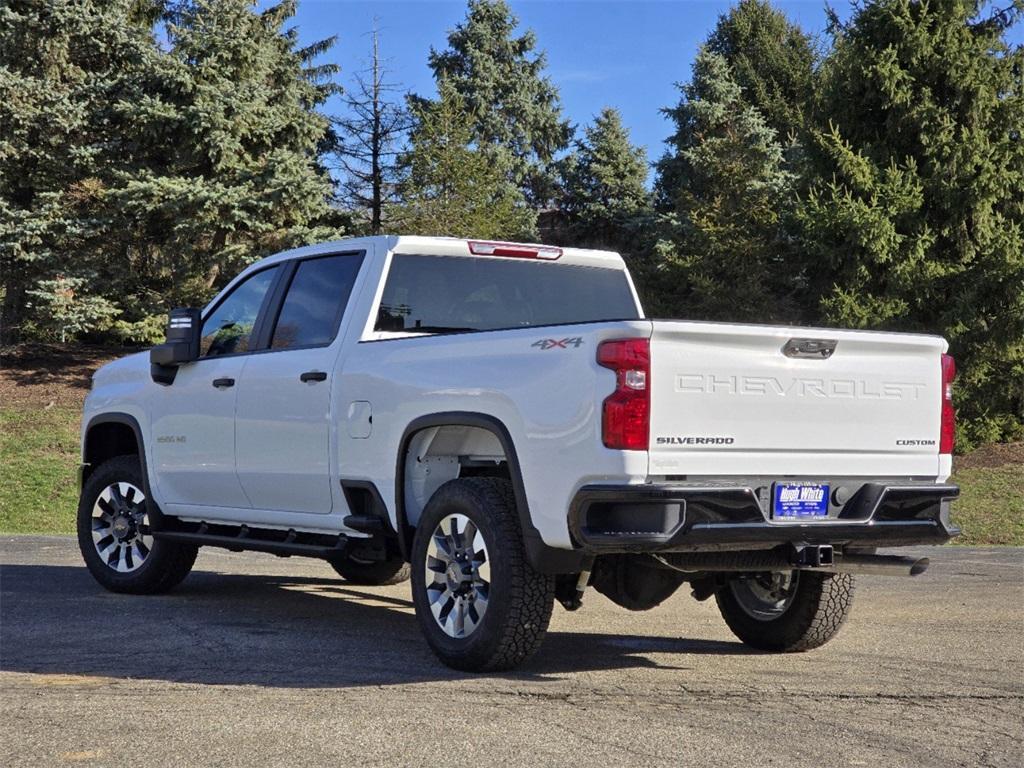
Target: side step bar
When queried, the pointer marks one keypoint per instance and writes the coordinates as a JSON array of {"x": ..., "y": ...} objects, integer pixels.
[{"x": 242, "y": 538}]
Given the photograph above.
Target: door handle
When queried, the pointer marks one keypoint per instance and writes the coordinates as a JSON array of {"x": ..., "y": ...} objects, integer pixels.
[
  {"x": 313, "y": 376},
  {"x": 223, "y": 383}
]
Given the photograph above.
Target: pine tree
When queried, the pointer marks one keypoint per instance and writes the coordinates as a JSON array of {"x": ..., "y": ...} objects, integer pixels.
[
  {"x": 772, "y": 60},
  {"x": 368, "y": 143},
  {"x": 449, "y": 187},
  {"x": 604, "y": 184},
  {"x": 918, "y": 220},
  {"x": 66, "y": 310},
  {"x": 515, "y": 109},
  {"x": 229, "y": 170},
  {"x": 725, "y": 196},
  {"x": 147, "y": 173},
  {"x": 64, "y": 68}
]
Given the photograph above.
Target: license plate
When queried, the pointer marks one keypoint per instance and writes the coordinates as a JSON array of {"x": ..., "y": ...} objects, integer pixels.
[{"x": 799, "y": 501}]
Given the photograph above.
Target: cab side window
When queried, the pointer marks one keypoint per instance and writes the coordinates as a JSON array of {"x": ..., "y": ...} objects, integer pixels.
[
  {"x": 315, "y": 301},
  {"x": 228, "y": 329}
]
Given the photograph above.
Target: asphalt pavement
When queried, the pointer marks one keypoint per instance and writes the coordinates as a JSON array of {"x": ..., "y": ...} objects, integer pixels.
[{"x": 257, "y": 660}]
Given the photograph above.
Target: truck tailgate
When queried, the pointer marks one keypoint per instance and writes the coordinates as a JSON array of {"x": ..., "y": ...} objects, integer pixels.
[{"x": 728, "y": 400}]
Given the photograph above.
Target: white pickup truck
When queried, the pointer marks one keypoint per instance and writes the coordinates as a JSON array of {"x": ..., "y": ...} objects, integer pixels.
[{"x": 501, "y": 422}]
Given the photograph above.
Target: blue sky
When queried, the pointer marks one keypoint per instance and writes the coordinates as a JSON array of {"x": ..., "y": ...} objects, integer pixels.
[{"x": 626, "y": 54}]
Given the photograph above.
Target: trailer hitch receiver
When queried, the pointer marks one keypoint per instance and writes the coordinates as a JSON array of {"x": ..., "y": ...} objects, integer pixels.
[{"x": 812, "y": 555}]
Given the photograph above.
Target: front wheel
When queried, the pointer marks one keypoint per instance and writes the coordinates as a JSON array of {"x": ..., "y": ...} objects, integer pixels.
[
  {"x": 786, "y": 612},
  {"x": 114, "y": 535},
  {"x": 480, "y": 604}
]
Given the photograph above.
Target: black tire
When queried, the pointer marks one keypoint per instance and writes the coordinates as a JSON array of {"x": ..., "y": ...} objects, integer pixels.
[
  {"x": 818, "y": 607},
  {"x": 165, "y": 565},
  {"x": 371, "y": 573},
  {"x": 520, "y": 599}
]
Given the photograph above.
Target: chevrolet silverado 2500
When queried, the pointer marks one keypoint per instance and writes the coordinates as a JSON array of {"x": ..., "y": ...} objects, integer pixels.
[{"x": 502, "y": 424}]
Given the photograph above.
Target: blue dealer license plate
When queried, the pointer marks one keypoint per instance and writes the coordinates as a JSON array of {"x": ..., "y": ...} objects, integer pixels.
[{"x": 798, "y": 501}]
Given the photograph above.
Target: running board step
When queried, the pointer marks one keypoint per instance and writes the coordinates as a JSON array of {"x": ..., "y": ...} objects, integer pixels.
[{"x": 243, "y": 538}]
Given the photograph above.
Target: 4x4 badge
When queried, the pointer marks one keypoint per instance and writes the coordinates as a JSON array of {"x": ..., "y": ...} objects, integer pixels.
[{"x": 574, "y": 341}]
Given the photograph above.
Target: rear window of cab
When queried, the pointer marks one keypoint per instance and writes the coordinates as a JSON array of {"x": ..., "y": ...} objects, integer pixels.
[{"x": 455, "y": 294}]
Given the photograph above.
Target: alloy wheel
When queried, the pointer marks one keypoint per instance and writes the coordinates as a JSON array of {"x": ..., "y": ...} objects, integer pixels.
[
  {"x": 458, "y": 576},
  {"x": 120, "y": 527}
]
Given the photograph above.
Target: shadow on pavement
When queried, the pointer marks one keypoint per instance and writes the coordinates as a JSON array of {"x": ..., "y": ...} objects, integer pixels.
[{"x": 259, "y": 630}]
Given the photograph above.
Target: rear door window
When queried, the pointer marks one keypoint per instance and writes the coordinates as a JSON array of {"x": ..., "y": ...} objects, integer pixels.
[
  {"x": 439, "y": 294},
  {"x": 315, "y": 301}
]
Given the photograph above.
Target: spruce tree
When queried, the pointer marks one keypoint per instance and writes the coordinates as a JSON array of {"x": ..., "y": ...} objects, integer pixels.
[
  {"x": 771, "y": 59},
  {"x": 604, "y": 184},
  {"x": 918, "y": 220},
  {"x": 725, "y": 196},
  {"x": 229, "y": 170},
  {"x": 148, "y": 173},
  {"x": 515, "y": 110},
  {"x": 64, "y": 69},
  {"x": 450, "y": 187}
]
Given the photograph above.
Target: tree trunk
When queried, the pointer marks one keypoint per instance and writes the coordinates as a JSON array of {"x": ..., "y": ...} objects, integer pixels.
[
  {"x": 376, "y": 145},
  {"x": 13, "y": 311}
]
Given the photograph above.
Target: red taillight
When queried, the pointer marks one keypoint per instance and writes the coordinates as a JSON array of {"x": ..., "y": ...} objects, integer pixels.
[
  {"x": 947, "y": 430},
  {"x": 515, "y": 250},
  {"x": 625, "y": 423}
]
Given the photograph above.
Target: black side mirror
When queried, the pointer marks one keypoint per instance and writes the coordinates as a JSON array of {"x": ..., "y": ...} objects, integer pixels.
[{"x": 182, "y": 345}]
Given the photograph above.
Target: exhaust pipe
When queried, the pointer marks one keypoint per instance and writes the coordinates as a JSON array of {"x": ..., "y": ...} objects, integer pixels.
[
  {"x": 820, "y": 558},
  {"x": 878, "y": 565}
]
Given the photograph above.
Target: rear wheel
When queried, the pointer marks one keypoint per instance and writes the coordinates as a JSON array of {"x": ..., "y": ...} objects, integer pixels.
[
  {"x": 479, "y": 603},
  {"x": 794, "y": 611},
  {"x": 372, "y": 573},
  {"x": 114, "y": 535}
]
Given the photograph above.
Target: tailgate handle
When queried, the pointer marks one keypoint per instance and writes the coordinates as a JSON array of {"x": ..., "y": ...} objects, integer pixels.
[{"x": 810, "y": 349}]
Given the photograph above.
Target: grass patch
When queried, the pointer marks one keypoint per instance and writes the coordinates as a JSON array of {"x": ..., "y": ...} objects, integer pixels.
[
  {"x": 39, "y": 454},
  {"x": 990, "y": 509}
]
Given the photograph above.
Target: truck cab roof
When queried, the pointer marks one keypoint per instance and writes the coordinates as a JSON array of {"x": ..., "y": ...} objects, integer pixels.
[{"x": 454, "y": 246}]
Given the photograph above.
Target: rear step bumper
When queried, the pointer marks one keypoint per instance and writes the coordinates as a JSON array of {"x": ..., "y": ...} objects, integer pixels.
[{"x": 662, "y": 518}]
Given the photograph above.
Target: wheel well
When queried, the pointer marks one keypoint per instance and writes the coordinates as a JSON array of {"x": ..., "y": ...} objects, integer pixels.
[
  {"x": 105, "y": 441},
  {"x": 461, "y": 444},
  {"x": 437, "y": 454}
]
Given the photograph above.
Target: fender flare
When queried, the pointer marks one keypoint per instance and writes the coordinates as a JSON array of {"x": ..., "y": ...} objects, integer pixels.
[
  {"x": 118, "y": 417},
  {"x": 542, "y": 557}
]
